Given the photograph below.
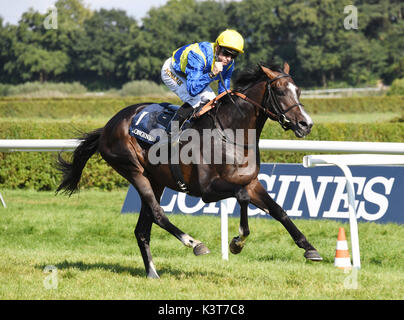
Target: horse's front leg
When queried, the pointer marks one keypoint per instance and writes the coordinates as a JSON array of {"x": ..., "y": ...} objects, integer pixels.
[
  {"x": 260, "y": 198},
  {"x": 219, "y": 189},
  {"x": 237, "y": 244}
]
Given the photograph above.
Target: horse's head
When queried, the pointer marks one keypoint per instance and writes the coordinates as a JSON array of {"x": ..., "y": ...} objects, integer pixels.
[{"x": 283, "y": 102}]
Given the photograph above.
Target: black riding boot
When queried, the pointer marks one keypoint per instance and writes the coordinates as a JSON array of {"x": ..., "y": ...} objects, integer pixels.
[{"x": 181, "y": 115}]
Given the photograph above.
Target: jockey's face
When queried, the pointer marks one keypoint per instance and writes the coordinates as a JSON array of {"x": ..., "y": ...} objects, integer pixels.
[{"x": 224, "y": 56}]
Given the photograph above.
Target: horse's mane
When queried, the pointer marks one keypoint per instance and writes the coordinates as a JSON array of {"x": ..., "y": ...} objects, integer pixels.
[
  {"x": 250, "y": 76},
  {"x": 253, "y": 75}
]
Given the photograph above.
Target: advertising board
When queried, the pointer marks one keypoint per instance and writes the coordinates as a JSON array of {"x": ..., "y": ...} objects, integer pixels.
[{"x": 311, "y": 193}]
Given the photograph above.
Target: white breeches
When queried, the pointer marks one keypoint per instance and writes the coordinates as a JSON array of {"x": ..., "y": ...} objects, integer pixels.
[{"x": 178, "y": 85}]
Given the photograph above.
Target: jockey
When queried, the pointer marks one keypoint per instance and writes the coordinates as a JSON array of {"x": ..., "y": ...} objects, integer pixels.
[{"x": 191, "y": 69}]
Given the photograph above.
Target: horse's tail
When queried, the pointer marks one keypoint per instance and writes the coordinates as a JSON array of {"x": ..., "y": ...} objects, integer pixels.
[{"x": 72, "y": 170}]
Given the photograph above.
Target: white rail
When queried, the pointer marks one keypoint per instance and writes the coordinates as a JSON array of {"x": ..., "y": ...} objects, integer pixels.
[
  {"x": 13, "y": 145},
  {"x": 332, "y": 146},
  {"x": 37, "y": 145},
  {"x": 338, "y": 90}
]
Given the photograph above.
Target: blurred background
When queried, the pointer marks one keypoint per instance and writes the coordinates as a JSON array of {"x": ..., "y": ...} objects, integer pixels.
[{"x": 103, "y": 45}]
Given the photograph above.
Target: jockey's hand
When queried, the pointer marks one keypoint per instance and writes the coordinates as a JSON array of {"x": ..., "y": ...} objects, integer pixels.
[{"x": 217, "y": 68}]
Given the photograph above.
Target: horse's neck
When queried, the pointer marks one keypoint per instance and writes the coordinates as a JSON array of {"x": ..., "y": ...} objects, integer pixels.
[{"x": 247, "y": 116}]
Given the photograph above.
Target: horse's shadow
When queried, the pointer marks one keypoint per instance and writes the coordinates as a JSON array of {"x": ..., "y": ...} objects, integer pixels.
[
  {"x": 84, "y": 266},
  {"x": 117, "y": 268}
]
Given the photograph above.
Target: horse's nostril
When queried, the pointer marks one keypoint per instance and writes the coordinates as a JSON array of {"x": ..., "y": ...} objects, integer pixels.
[{"x": 303, "y": 124}]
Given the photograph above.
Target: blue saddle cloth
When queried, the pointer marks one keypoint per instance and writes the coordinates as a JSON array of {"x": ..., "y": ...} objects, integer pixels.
[{"x": 154, "y": 116}]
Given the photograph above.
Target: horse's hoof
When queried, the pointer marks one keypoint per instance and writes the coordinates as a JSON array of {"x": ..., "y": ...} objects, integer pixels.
[
  {"x": 312, "y": 255},
  {"x": 201, "y": 249},
  {"x": 236, "y": 245},
  {"x": 152, "y": 275}
]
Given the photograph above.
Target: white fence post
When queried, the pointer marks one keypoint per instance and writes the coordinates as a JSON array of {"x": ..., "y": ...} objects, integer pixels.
[
  {"x": 2, "y": 201},
  {"x": 224, "y": 218},
  {"x": 353, "y": 224},
  {"x": 342, "y": 161}
]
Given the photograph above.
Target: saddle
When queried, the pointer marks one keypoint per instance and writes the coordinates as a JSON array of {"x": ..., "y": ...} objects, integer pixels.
[
  {"x": 158, "y": 116},
  {"x": 154, "y": 116}
]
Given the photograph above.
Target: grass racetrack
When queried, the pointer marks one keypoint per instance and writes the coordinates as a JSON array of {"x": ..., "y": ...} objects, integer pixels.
[{"x": 96, "y": 256}]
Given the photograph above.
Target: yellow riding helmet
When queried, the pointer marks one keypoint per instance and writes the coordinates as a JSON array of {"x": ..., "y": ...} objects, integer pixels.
[{"x": 231, "y": 39}]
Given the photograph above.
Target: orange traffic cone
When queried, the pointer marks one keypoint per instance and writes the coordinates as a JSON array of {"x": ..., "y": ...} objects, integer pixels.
[{"x": 342, "y": 259}]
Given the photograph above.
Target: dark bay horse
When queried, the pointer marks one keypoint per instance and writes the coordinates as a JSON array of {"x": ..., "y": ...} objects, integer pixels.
[{"x": 266, "y": 92}]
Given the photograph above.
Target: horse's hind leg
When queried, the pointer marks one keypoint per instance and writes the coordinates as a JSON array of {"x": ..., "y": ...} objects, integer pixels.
[
  {"x": 261, "y": 199},
  {"x": 143, "y": 185},
  {"x": 154, "y": 213},
  {"x": 143, "y": 230},
  {"x": 142, "y": 233},
  {"x": 126, "y": 163}
]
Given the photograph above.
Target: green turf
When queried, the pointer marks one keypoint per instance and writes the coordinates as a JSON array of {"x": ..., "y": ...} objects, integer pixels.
[{"x": 94, "y": 251}]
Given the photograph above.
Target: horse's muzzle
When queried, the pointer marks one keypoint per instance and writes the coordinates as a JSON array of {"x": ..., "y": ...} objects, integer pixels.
[{"x": 302, "y": 128}]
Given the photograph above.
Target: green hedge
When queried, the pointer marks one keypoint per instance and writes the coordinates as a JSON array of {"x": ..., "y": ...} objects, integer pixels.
[
  {"x": 390, "y": 131},
  {"x": 57, "y": 108},
  {"x": 37, "y": 88},
  {"x": 79, "y": 108},
  {"x": 377, "y": 132},
  {"x": 396, "y": 88},
  {"x": 35, "y": 170},
  {"x": 355, "y": 104},
  {"x": 26, "y": 129}
]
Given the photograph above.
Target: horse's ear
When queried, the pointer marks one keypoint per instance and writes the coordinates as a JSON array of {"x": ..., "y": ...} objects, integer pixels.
[
  {"x": 271, "y": 74},
  {"x": 286, "y": 68}
]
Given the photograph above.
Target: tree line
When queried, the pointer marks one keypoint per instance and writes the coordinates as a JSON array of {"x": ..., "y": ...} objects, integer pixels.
[{"x": 106, "y": 48}]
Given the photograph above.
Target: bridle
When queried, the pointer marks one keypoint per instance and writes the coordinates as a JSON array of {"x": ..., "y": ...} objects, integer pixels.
[{"x": 270, "y": 99}]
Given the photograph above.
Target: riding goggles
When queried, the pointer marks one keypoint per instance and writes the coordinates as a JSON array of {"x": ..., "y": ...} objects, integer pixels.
[{"x": 229, "y": 53}]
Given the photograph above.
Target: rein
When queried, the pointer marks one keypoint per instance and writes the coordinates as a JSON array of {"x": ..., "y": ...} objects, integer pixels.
[
  {"x": 244, "y": 97},
  {"x": 279, "y": 115}
]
